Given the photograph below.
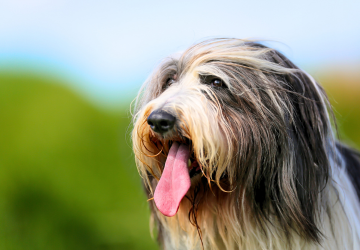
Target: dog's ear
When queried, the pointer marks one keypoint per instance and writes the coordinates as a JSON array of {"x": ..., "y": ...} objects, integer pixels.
[
  {"x": 309, "y": 134},
  {"x": 306, "y": 169}
]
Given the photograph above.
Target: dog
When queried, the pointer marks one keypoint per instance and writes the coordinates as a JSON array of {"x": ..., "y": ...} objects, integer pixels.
[{"x": 236, "y": 150}]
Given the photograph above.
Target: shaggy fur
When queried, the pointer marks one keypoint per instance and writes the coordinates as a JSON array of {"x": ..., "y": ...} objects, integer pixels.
[{"x": 273, "y": 176}]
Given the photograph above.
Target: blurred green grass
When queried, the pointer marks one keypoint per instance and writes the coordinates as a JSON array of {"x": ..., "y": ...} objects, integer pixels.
[
  {"x": 67, "y": 173},
  {"x": 343, "y": 88}
]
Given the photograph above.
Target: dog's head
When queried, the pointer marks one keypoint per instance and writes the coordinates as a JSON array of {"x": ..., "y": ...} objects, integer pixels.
[{"x": 238, "y": 117}]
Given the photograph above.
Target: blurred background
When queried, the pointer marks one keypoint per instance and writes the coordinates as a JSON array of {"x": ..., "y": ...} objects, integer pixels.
[{"x": 68, "y": 72}]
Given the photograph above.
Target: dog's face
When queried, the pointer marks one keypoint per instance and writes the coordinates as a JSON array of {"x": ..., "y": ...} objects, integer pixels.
[{"x": 235, "y": 117}]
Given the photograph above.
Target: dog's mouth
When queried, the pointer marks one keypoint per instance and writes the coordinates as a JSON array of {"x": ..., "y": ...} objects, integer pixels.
[
  {"x": 192, "y": 163},
  {"x": 180, "y": 166}
]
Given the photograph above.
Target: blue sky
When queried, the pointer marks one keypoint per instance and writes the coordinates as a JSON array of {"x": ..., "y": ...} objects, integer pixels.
[{"x": 107, "y": 48}]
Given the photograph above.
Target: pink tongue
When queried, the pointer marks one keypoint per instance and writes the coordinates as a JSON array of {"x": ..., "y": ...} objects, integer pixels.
[{"x": 174, "y": 182}]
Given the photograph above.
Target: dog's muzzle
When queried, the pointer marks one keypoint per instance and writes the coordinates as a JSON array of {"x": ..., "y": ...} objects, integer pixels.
[{"x": 161, "y": 121}]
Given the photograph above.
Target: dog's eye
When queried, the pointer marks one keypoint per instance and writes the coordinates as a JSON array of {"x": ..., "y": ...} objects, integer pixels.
[
  {"x": 216, "y": 82},
  {"x": 168, "y": 82},
  {"x": 213, "y": 81}
]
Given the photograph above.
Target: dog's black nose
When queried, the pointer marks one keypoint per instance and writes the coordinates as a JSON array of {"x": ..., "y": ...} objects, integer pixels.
[{"x": 161, "y": 121}]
